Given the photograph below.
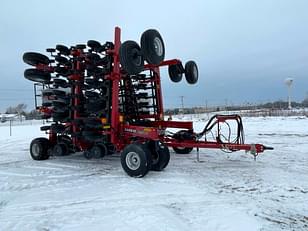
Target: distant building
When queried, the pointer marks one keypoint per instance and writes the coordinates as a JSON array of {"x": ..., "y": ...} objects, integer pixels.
[{"x": 12, "y": 117}]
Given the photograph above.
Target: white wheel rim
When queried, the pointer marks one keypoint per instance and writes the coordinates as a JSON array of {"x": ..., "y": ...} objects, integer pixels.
[
  {"x": 132, "y": 160},
  {"x": 158, "y": 46},
  {"x": 36, "y": 148}
]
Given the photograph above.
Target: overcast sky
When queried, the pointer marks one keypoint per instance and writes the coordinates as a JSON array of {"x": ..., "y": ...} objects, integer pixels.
[{"x": 244, "y": 49}]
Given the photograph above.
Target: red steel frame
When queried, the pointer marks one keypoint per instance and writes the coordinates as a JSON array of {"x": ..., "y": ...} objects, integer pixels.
[{"x": 121, "y": 133}]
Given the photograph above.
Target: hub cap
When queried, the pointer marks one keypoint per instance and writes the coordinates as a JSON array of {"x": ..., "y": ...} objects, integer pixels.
[
  {"x": 158, "y": 46},
  {"x": 36, "y": 149},
  {"x": 132, "y": 160}
]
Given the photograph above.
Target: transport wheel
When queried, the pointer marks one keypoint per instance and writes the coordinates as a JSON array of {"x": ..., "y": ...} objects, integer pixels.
[
  {"x": 33, "y": 58},
  {"x": 180, "y": 136},
  {"x": 152, "y": 46},
  {"x": 191, "y": 72},
  {"x": 98, "y": 151},
  {"x": 160, "y": 156},
  {"x": 37, "y": 75},
  {"x": 60, "y": 149},
  {"x": 131, "y": 57},
  {"x": 39, "y": 149},
  {"x": 136, "y": 160},
  {"x": 175, "y": 73}
]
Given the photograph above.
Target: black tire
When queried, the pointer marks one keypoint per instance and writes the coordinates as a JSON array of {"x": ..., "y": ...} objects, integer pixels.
[
  {"x": 93, "y": 123},
  {"x": 182, "y": 150},
  {"x": 37, "y": 75},
  {"x": 131, "y": 57},
  {"x": 98, "y": 151},
  {"x": 66, "y": 140},
  {"x": 175, "y": 73},
  {"x": 181, "y": 136},
  {"x": 92, "y": 94},
  {"x": 160, "y": 156},
  {"x": 136, "y": 160},
  {"x": 61, "y": 60},
  {"x": 45, "y": 128},
  {"x": 39, "y": 149},
  {"x": 191, "y": 72},
  {"x": 65, "y": 72},
  {"x": 80, "y": 46},
  {"x": 57, "y": 92},
  {"x": 91, "y": 136},
  {"x": 60, "y": 149},
  {"x": 152, "y": 46},
  {"x": 33, "y": 58},
  {"x": 63, "y": 50},
  {"x": 60, "y": 116},
  {"x": 47, "y": 92},
  {"x": 57, "y": 128},
  {"x": 94, "y": 45},
  {"x": 95, "y": 107},
  {"x": 60, "y": 83}
]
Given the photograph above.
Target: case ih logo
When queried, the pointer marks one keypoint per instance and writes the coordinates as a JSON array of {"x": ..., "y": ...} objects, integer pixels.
[{"x": 130, "y": 130}]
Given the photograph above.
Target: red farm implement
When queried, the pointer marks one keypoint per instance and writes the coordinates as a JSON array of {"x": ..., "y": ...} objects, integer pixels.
[{"x": 103, "y": 98}]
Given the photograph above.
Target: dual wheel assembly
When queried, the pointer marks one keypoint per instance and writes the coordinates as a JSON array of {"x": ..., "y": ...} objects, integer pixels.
[{"x": 152, "y": 50}]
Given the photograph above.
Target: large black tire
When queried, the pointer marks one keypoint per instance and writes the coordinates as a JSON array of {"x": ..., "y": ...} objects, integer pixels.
[
  {"x": 37, "y": 75},
  {"x": 136, "y": 160},
  {"x": 33, "y": 58},
  {"x": 191, "y": 72},
  {"x": 152, "y": 46},
  {"x": 39, "y": 149},
  {"x": 160, "y": 156},
  {"x": 131, "y": 57},
  {"x": 94, "y": 45}
]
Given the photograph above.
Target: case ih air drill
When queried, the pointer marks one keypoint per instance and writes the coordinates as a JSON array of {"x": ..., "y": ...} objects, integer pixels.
[{"x": 107, "y": 98}]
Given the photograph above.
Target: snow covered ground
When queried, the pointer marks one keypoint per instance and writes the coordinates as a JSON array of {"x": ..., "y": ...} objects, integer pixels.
[{"x": 223, "y": 192}]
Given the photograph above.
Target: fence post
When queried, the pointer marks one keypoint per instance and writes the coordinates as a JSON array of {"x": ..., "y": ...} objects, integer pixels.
[{"x": 10, "y": 127}]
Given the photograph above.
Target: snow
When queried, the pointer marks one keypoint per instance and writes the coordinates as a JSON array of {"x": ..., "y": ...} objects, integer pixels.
[{"x": 222, "y": 192}]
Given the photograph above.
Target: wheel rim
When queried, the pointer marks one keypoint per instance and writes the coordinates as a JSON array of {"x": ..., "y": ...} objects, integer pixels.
[
  {"x": 57, "y": 150},
  {"x": 158, "y": 46},
  {"x": 132, "y": 160},
  {"x": 36, "y": 149},
  {"x": 97, "y": 152}
]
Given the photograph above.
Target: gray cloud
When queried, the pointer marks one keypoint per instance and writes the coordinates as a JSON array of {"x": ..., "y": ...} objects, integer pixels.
[{"x": 244, "y": 49}]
